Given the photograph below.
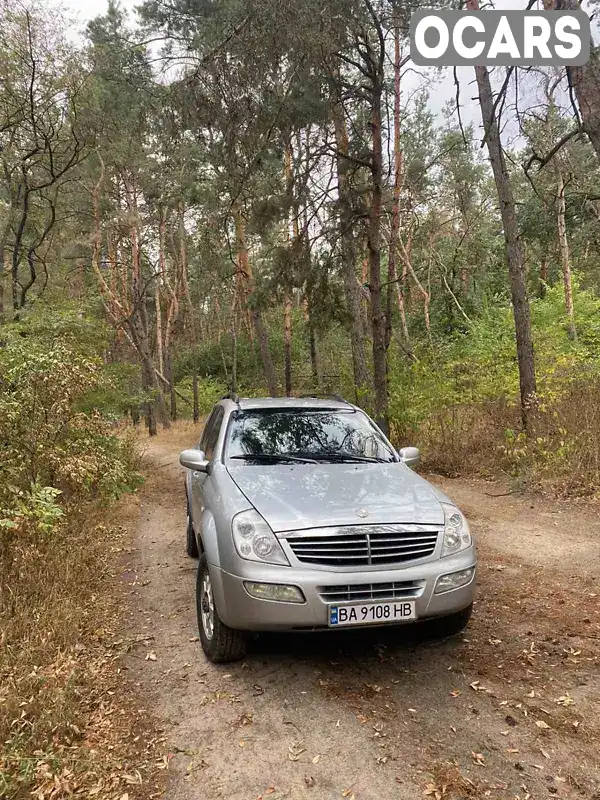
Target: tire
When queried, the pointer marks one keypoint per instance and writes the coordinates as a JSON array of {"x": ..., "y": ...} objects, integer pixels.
[
  {"x": 191, "y": 544},
  {"x": 219, "y": 642},
  {"x": 451, "y": 625}
]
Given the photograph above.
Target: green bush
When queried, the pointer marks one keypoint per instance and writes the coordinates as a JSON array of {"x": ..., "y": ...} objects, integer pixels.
[
  {"x": 52, "y": 452},
  {"x": 460, "y": 400}
]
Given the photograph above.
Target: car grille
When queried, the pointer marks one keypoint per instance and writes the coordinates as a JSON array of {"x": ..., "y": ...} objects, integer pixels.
[
  {"x": 371, "y": 591},
  {"x": 363, "y": 545}
]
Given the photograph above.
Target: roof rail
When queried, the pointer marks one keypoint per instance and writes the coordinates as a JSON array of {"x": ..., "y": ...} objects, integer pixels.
[{"x": 323, "y": 396}]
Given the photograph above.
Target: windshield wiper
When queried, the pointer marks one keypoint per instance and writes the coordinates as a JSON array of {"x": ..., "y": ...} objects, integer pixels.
[
  {"x": 274, "y": 457},
  {"x": 341, "y": 455}
]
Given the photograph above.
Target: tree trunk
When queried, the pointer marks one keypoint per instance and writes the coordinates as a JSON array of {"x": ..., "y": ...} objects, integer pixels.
[
  {"x": 362, "y": 378},
  {"x": 561, "y": 209},
  {"x": 565, "y": 258},
  {"x": 248, "y": 285},
  {"x": 374, "y": 247},
  {"x": 138, "y": 321},
  {"x": 184, "y": 270},
  {"x": 585, "y": 81},
  {"x": 293, "y": 242},
  {"x": 172, "y": 390},
  {"x": 149, "y": 405},
  {"x": 394, "y": 285},
  {"x": 514, "y": 247},
  {"x": 159, "y": 332},
  {"x": 314, "y": 355},
  {"x": 543, "y": 277},
  {"x": 196, "y": 411},
  {"x": 287, "y": 343}
]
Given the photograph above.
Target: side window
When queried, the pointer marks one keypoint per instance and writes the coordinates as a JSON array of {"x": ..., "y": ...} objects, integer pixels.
[
  {"x": 210, "y": 422},
  {"x": 212, "y": 435}
]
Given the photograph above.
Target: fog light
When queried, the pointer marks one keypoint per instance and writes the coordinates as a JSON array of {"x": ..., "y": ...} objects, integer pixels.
[
  {"x": 446, "y": 583},
  {"x": 274, "y": 591}
]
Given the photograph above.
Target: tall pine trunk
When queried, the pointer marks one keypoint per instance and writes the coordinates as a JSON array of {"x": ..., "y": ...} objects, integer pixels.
[
  {"x": 585, "y": 81},
  {"x": 565, "y": 256},
  {"x": 394, "y": 285},
  {"x": 362, "y": 378},
  {"x": 512, "y": 239},
  {"x": 248, "y": 284},
  {"x": 374, "y": 249}
]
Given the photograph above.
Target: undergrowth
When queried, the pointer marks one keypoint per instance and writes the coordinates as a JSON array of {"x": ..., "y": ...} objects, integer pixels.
[{"x": 60, "y": 469}]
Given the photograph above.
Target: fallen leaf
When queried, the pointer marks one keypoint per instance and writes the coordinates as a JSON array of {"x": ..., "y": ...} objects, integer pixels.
[
  {"x": 565, "y": 700},
  {"x": 316, "y": 759},
  {"x": 151, "y": 656},
  {"x": 295, "y": 751},
  {"x": 478, "y": 758},
  {"x": 541, "y": 724},
  {"x": 455, "y": 693}
]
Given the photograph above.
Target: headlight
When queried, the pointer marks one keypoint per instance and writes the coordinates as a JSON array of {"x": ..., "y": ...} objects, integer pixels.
[
  {"x": 255, "y": 541},
  {"x": 457, "y": 535}
]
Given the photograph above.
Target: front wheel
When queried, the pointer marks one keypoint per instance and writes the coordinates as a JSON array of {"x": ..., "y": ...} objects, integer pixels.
[{"x": 219, "y": 642}]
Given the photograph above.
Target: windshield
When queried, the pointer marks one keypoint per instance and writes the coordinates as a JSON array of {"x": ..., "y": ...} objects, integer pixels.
[{"x": 305, "y": 435}]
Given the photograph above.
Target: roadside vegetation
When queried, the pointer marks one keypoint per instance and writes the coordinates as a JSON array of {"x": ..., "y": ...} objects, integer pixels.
[
  {"x": 261, "y": 197},
  {"x": 61, "y": 464}
]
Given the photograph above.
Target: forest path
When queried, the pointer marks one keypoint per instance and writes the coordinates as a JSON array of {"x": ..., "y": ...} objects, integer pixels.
[{"x": 508, "y": 710}]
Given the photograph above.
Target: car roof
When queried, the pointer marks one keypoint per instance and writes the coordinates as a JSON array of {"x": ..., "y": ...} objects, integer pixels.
[{"x": 266, "y": 403}]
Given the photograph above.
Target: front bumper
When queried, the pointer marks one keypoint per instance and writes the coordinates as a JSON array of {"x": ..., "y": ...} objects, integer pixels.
[{"x": 239, "y": 610}]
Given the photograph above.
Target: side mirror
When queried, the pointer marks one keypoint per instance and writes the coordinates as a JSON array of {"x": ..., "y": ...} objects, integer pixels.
[
  {"x": 194, "y": 459},
  {"x": 410, "y": 456}
]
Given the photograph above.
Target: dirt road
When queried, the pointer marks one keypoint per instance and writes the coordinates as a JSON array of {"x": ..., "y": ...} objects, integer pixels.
[{"x": 509, "y": 710}]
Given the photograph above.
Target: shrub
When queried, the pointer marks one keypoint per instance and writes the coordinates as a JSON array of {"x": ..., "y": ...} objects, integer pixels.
[
  {"x": 460, "y": 401},
  {"x": 52, "y": 453}
]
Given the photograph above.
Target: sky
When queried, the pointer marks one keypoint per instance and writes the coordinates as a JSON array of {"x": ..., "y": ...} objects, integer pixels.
[{"x": 88, "y": 9}]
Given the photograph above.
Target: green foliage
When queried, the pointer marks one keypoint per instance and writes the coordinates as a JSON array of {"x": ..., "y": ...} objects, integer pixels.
[
  {"x": 50, "y": 447},
  {"x": 460, "y": 400},
  {"x": 210, "y": 390}
]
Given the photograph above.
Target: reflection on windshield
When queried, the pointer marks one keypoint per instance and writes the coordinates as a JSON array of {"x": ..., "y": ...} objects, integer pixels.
[{"x": 313, "y": 434}]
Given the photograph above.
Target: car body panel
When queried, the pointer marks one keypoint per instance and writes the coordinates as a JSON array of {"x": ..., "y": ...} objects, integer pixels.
[
  {"x": 236, "y": 605},
  {"x": 292, "y": 497}
]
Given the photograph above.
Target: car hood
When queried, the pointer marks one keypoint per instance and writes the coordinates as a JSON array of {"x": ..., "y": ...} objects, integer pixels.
[{"x": 292, "y": 497}]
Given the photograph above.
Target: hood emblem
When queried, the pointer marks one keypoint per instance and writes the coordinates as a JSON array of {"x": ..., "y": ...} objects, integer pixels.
[{"x": 362, "y": 512}]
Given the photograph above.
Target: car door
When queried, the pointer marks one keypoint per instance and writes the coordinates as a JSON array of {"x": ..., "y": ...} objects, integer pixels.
[{"x": 207, "y": 443}]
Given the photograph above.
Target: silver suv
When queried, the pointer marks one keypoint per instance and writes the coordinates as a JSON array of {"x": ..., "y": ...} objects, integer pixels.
[{"x": 304, "y": 517}]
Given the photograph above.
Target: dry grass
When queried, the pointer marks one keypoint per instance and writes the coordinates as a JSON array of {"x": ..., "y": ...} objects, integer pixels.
[
  {"x": 183, "y": 433},
  {"x": 561, "y": 455},
  {"x": 68, "y": 723}
]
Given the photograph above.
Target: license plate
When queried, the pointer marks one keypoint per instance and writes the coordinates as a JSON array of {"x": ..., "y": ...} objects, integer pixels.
[{"x": 371, "y": 613}]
